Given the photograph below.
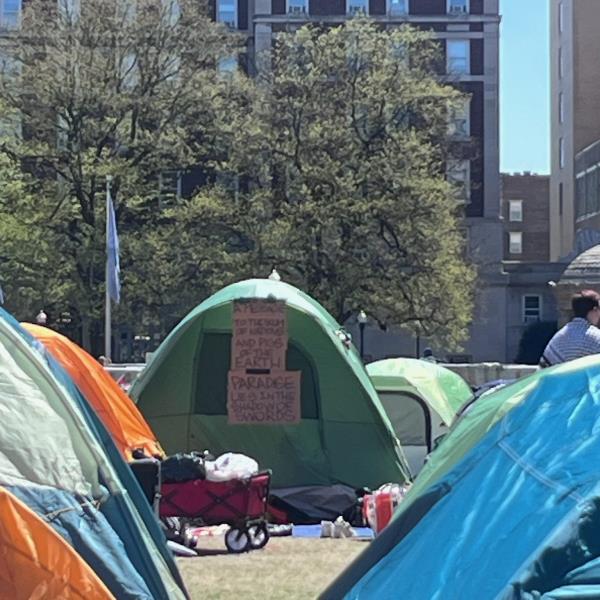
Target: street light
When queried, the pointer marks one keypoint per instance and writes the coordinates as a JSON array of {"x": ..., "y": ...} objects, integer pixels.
[{"x": 362, "y": 321}]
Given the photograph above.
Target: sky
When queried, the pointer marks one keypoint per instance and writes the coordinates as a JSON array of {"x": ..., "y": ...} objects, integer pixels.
[{"x": 524, "y": 86}]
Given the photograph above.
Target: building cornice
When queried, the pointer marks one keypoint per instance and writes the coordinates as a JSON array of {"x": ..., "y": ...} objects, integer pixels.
[{"x": 386, "y": 19}]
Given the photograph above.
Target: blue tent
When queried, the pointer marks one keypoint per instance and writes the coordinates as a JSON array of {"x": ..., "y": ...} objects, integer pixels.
[
  {"x": 132, "y": 535},
  {"x": 517, "y": 517}
]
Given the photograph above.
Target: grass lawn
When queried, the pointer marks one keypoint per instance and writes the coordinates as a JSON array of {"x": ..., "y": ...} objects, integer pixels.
[{"x": 290, "y": 568}]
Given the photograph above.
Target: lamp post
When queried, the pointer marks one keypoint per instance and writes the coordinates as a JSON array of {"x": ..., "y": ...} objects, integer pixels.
[{"x": 362, "y": 321}]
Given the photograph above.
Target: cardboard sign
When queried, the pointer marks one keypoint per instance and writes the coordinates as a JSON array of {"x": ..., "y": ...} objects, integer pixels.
[
  {"x": 259, "y": 336},
  {"x": 267, "y": 399}
]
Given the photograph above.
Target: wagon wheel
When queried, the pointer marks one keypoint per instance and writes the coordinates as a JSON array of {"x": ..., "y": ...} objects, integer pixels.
[
  {"x": 259, "y": 536},
  {"x": 237, "y": 540}
]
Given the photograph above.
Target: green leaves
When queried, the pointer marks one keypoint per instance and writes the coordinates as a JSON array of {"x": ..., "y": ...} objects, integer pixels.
[
  {"x": 329, "y": 166},
  {"x": 351, "y": 150}
]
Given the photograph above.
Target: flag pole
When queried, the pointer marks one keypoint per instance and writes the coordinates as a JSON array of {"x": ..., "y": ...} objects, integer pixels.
[{"x": 107, "y": 315}]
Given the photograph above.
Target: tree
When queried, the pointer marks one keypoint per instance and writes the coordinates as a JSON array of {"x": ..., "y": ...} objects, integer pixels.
[
  {"x": 342, "y": 156},
  {"x": 108, "y": 87},
  {"x": 330, "y": 166},
  {"x": 30, "y": 262}
]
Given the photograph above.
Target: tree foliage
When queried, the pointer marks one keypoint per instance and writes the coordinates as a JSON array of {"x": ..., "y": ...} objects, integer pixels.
[
  {"x": 329, "y": 165},
  {"x": 105, "y": 87},
  {"x": 343, "y": 155}
]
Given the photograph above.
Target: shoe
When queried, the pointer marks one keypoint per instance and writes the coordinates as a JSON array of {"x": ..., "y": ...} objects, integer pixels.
[
  {"x": 327, "y": 529},
  {"x": 342, "y": 529}
]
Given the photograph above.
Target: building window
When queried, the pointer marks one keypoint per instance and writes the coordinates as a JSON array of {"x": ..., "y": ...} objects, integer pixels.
[
  {"x": 580, "y": 196},
  {"x": 561, "y": 17},
  {"x": 228, "y": 65},
  {"x": 560, "y": 199},
  {"x": 227, "y": 12},
  {"x": 172, "y": 10},
  {"x": 515, "y": 211},
  {"x": 297, "y": 7},
  {"x": 457, "y": 58},
  {"x": 169, "y": 188},
  {"x": 10, "y": 13},
  {"x": 459, "y": 119},
  {"x": 561, "y": 153},
  {"x": 398, "y": 7},
  {"x": 10, "y": 67},
  {"x": 532, "y": 308},
  {"x": 561, "y": 107},
  {"x": 591, "y": 190},
  {"x": 561, "y": 65},
  {"x": 515, "y": 245},
  {"x": 458, "y": 174},
  {"x": 357, "y": 7},
  {"x": 458, "y": 7}
]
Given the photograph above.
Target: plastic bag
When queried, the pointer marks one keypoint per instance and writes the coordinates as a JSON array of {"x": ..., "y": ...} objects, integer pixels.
[{"x": 230, "y": 466}]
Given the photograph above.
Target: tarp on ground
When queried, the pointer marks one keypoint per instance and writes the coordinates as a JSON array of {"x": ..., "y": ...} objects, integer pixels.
[
  {"x": 443, "y": 390},
  {"x": 44, "y": 427},
  {"x": 344, "y": 435},
  {"x": 35, "y": 562},
  {"x": 518, "y": 517},
  {"x": 116, "y": 410}
]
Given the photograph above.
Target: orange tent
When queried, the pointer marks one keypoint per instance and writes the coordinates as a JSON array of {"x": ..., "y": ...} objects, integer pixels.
[
  {"x": 35, "y": 562},
  {"x": 116, "y": 410}
]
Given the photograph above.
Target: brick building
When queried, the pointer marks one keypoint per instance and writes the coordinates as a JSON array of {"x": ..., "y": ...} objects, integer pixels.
[{"x": 526, "y": 214}]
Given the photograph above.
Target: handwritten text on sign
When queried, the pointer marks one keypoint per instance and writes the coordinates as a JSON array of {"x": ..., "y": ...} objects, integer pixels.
[
  {"x": 263, "y": 398},
  {"x": 259, "y": 336}
]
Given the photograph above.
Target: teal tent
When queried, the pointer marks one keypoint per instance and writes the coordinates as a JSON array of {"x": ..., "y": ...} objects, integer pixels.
[
  {"x": 515, "y": 513},
  {"x": 344, "y": 435},
  {"x": 57, "y": 459},
  {"x": 421, "y": 399}
]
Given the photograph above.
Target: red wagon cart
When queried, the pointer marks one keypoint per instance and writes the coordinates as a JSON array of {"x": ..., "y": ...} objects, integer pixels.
[{"x": 239, "y": 503}]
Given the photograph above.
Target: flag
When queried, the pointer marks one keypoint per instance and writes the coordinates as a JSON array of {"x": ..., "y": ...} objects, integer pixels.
[{"x": 113, "y": 269}]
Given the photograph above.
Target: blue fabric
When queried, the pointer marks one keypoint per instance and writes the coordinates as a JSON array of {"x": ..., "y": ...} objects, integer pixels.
[
  {"x": 116, "y": 509},
  {"x": 86, "y": 529},
  {"x": 522, "y": 515},
  {"x": 314, "y": 531},
  {"x": 113, "y": 268}
]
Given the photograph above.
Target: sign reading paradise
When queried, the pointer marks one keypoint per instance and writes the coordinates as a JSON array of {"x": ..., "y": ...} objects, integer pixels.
[{"x": 260, "y": 390}]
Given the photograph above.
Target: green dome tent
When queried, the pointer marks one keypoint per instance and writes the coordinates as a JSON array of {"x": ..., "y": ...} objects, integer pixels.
[
  {"x": 343, "y": 436},
  {"x": 511, "y": 508},
  {"x": 421, "y": 399},
  {"x": 474, "y": 424}
]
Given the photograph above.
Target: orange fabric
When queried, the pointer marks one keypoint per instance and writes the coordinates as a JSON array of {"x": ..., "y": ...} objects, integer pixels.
[
  {"x": 36, "y": 563},
  {"x": 114, "y": 407}
]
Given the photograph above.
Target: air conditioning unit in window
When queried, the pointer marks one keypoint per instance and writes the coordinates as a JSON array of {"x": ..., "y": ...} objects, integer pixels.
[
  {"x": 458, "y": 9},
  {"x": 297, "y": 11}
]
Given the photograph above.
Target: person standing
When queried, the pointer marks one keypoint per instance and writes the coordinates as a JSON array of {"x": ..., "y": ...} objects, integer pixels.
[{"x": 580, "y": 336}]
